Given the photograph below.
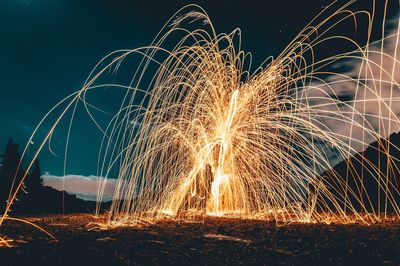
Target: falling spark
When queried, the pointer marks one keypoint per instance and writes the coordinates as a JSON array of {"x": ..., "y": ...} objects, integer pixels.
[{"x": 208, "y": 135}]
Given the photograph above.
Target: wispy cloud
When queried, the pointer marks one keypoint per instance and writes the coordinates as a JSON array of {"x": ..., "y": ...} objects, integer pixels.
[
  {"x": 366, "y": 96},
  {"x": 84, "y": 187}
]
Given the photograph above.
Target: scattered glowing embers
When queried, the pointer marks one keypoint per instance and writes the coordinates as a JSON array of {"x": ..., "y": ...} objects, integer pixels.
[
  {"x": 213, "y": 137},
  {"x": 9, "y": 242}
]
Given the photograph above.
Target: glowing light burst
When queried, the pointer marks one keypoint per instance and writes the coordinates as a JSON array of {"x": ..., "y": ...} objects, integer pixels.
[{"x": 200, "y": 132}]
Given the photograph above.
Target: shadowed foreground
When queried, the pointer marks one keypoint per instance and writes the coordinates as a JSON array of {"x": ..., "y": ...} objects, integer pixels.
[{"x": 216, "y": 241}]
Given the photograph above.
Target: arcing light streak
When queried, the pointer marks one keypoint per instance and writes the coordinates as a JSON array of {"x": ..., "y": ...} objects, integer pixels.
[{"x": 199, "y": 132}]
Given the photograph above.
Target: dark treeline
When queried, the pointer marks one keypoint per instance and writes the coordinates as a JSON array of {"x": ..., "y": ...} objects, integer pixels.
[
  {"x": 368, "y": 181},
  {"x": 33, "y": 197}
]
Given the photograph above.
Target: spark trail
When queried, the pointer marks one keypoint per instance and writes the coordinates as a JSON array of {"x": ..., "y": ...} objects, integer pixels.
[{"x": 201, "y": 132}]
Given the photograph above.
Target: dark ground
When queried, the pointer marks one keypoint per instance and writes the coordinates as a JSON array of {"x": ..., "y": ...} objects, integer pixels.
[{"x": 214, "y": 241}]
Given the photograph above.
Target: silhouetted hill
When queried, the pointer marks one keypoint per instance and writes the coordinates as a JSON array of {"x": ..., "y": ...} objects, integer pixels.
[
  {"x": 48, "y": 200},
  {"x": 368, "y": 180},
  {"x": 33, "y": 197}
]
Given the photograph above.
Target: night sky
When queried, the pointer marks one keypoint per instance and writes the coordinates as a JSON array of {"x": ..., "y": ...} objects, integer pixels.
[{"x": 49, "y": 47}]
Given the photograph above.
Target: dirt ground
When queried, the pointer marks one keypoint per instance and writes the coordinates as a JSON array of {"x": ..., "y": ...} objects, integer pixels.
[{"x": 212, "y": 241}]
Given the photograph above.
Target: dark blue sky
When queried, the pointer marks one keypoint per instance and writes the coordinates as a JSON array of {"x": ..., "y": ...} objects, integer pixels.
[{"x": 47, "y": 49}]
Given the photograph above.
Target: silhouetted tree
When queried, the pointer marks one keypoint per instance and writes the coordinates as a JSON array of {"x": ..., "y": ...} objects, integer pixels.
[
  {"x": 8, "y": 177},
  {"x": 34, "y": 181},
  {"x": 33, "y": 197}
]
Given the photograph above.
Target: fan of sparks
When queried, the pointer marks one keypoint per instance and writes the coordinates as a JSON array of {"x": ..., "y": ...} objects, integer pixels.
[{"x": 202, "y": 132}]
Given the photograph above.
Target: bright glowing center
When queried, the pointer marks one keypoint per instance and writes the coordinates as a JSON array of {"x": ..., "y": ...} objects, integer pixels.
[{"x": 220, "y": 177}]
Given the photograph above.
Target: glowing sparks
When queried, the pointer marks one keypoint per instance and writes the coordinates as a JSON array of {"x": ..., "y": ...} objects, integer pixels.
[
  {"x": 4, "y": 242},
  {"x": 207, "y": 135}
]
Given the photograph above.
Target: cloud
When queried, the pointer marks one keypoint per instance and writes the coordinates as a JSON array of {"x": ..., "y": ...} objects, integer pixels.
[
  {"x": 362, "y": 103},
  {"x": 84, "y": 187}
]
